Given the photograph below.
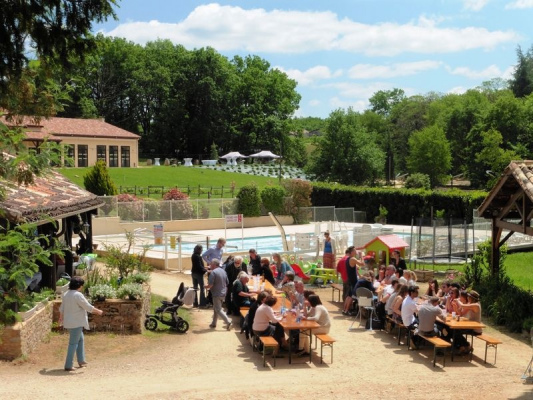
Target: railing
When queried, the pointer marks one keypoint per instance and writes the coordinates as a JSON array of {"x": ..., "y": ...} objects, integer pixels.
[{"x": 198, "y": 191}]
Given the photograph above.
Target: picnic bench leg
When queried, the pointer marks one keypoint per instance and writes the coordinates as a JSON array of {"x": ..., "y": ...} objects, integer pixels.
[
  {"x": 310, "y": 342},
  {"x": 486, "y": 348}
]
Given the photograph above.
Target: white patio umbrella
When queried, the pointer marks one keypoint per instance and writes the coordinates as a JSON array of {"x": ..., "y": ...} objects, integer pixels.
[
  {"x": 264, "y": 154},
  {"x": 231, "y": 157}
]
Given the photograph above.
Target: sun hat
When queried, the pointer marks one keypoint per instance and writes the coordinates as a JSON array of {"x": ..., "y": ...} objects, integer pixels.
[{"x": 474, "y": 295}]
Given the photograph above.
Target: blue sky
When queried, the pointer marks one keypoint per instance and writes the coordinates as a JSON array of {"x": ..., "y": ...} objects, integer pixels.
[{"x": 342, "y": 51}]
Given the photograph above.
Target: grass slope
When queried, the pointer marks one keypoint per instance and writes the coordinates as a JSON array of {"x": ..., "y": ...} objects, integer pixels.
[{"x": 172, "y": 176}]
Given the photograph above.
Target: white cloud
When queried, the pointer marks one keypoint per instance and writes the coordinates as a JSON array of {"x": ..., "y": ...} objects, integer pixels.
[
  {"x": 314, "y": 103},
  {"x": 519, "y": 4},
  {"x": 311, "y": 75},
  {"x": 336, "y": 102},
  {"x": 230, "y": 28},
  {"x": 474, "y": 5},
  {"x": 371, "y": 71},
  {"x": 457, "y": 90},
  {"x": 490, "y": 72},
  {"x": 358, "y": 91}
]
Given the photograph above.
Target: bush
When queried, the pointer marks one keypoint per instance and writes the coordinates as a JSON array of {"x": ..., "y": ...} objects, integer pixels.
[
  {"x": 418, "y": 181},
  {"x": 272, "y": 198},
  {"x": 300, "y": 193},
  {"x": 130, "y": 290},
  {"x": 129, "y": 207},
  {"x": 98, "y": 181},
  {"x": 178, "y": 206},
  {"x": 102, "y": 290},
  {"x": 249, "y": 201}
]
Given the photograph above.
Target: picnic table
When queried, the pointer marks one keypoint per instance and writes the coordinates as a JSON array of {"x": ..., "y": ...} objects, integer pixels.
[
  {"x": 326, "y": 274},
  {"x": 463, "y": 323},
  {"x": 304, "y": 326}
]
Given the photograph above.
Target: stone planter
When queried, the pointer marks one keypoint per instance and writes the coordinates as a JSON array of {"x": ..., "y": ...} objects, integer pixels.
[
  {"x": 424, "y": 275},
  {"x": 62, "y": 289},
  {"x": 26, "y": 315}
]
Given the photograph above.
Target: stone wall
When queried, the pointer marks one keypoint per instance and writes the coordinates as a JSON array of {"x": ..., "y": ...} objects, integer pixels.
[
  {"x": 23, "y": 337},
  {"x": 120, "y": 316}
]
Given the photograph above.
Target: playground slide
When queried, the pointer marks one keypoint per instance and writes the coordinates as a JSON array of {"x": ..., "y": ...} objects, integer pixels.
[{"x": 282, "y": 231}]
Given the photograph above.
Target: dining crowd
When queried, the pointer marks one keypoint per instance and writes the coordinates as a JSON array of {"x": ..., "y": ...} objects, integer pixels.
[
  {"x": 228, "y": 293},
  {"x": 397, "y": 299}
]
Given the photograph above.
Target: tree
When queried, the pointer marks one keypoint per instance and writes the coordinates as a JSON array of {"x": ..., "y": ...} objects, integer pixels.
[
  {"x": 347, "y": 153},
  {"x": 54, "y": 29},
  {"x": 98, "y": 181},
  {"x": 522, "y": 82},
  {"x": 429, "y": 153},
  {"x": 383, "y": 100}
]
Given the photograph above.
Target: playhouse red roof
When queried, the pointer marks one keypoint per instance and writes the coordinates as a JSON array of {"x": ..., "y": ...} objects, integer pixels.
[{"x": 391, "y": 241}]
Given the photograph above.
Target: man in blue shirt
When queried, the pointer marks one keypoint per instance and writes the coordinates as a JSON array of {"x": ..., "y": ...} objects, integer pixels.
[
  {"x": 217, "y": 283},
  {"x": 214, "y": 252}
]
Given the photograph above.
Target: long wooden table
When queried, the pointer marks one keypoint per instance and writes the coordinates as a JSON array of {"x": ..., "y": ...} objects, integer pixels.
[
  {"x": 463, "y": 323},
  {"x": 306, "y": 327}
]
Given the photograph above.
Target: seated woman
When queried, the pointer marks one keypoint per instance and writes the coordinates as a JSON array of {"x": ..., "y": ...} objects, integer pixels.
[
  {"x": 397, "y": 305},
  {"x": 307, "y": 306},
  {"x": 266, "y": 323},
  {"x": 266, "y": 272},
  {"x": 249, "y": 319},
  {"x": 318, "y": 313},
  {"x": 366, "y": 281},
  {"x": 281, "y": 266},
  {"x": 471, "y": 311},
  {"x": 381, "y": 273},
  {"x": 451, "y": 305},
  {"x": 433, "y": 288}
]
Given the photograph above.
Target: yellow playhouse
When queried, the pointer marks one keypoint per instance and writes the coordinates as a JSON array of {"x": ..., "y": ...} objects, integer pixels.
[{"x": 382, "y": 246}]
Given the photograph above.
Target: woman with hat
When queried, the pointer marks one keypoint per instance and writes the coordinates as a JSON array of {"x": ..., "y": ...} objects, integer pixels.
[{"x": 471, "y": 311}]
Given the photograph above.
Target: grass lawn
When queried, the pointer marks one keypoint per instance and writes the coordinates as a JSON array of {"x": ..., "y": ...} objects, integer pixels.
[{"x": 173, "y": 176}]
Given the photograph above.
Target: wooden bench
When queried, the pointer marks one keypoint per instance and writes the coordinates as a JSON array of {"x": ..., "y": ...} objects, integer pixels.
[
  {"x": 339, "y": 288},
  {"x": 489, "y": 342},
  {"x": 325, "y": 340},
  {"x": 269, "y": 342},
  {"x": 400, "y": 327},
  {"x": 437, "y": 343}
]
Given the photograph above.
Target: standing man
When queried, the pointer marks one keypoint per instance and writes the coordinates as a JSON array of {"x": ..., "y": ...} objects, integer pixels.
[
  {"x": 214, "y": 252},
  {"x": 341, "y": 270},
  {"x": 409, "y": 310},
  {"x": 351, "y": 271},
  {"x": 217, "y": 283},
  {"x": 254, "y": 266}
]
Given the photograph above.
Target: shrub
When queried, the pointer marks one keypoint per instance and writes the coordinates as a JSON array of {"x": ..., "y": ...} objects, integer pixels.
[
  {"x": 130, "y": 290},
  {"x": 272, "y": 198},
  {"x": 418, "y": 181},
  {"x": 300, "y": 194},
  {"x": 98, "y": 181},
  {"x": 122, "y": 262},
  {"x": 249, "y": 201},
  {"x": 178, "y": 208},
  {"x": 129, "y": 207},
  {"x": 151, "y": 209},
  {"x": 102, "y": 290}
]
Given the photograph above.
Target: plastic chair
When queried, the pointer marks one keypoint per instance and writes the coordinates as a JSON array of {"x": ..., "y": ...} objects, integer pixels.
[{"x": 365, "y": 299}]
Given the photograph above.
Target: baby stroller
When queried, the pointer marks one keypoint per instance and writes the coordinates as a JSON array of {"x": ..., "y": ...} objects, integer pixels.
[{"x": 167, "y": 313}]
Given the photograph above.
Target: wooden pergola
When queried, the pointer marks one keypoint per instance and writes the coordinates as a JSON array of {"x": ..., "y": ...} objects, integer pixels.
[{"x": 510, "y": 206}]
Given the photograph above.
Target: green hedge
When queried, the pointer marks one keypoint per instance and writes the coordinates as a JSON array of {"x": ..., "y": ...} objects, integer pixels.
[{"x": 402, "y": 204}]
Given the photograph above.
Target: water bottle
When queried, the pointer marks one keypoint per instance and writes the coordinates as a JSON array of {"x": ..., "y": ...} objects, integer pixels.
[
  {"x": 298, "y": 315},
  {"x": 283, "y": 310}
]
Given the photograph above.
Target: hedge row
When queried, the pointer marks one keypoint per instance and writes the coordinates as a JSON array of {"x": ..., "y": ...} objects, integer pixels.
[{"x": 402, "y": 204}]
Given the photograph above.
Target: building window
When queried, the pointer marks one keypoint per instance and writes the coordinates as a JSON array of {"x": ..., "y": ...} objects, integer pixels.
[
  {"x": 101, "y": 154},
  {"x": 83, "y": 155},
  {"x": 125, "y": 154},
  {"x": 113, "y": 156},
  {"x": 69, "y": 155}
]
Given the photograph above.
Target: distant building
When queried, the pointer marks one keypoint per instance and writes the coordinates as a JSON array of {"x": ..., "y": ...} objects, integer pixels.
[{"x": 85, "y": 141}]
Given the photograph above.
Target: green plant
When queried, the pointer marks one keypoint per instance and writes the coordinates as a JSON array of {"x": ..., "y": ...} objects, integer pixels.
[
  {"x": 62, "y": 282},
  {"x": 249, "y": 201},
  {"x": 440, "y": 214},
  {"x": 130, "y": 290},
  {"x": 272, "y": 198},
  {"x": 382, "y": 216},
  {"x": 139, "y": 277},
  {"x": 121, "y": 261},
  {"x": 299, "y": 192},
  {"x": 213, "y": 152},
  {"x": 98, "y": 181},
  {"x": 102, "y": 291},
  {"x": 418, "y": 181},
  {"x": 527, "y": 325}
]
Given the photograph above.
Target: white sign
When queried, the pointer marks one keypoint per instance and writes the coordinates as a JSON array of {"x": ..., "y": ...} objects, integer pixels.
[{"x": 234, "y": 218}]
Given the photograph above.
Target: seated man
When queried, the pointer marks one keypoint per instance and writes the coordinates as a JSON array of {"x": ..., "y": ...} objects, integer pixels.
[
  {"x": 287, "y": 284},
  {"x": 428, "y": 314},
  {"x": 242, "y": 297},
  {"x": 409, "y": 309},
  {"x": 298, "y": 298},
  {"x": 233, "y": 269}
]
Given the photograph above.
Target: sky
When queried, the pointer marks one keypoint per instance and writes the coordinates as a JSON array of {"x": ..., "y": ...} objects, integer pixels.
[{"x": 343, "y": 51}]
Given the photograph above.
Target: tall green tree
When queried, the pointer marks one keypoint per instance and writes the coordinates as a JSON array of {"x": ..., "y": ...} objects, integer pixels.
[
  {"x": 522, "y": 81},
  {"x": 347, "y": 153},
  {"x": 382, "y": 101},
  {"x": 429, "y": 153},
  {"x": 98, "y": 181}
]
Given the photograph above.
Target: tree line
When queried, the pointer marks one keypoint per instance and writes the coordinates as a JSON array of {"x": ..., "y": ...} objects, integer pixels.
[{"x": 475, "y": 134}]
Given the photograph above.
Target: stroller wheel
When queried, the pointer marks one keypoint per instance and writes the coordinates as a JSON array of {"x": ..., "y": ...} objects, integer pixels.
[
  {"x": 150, "y": 324},
  {"x": 182, "y": 326}
]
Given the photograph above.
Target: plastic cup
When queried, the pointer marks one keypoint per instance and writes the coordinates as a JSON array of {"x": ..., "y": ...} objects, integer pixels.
[{"x": 453, "y": 315}]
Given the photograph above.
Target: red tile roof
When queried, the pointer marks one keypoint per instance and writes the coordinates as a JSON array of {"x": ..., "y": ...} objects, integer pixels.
[
  {"x": 71, "y": 127},
  {"x": 51, "y": 196}
]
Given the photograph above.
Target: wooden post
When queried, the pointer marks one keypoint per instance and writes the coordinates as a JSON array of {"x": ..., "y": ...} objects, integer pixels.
[{"x": 495, "y": 249}]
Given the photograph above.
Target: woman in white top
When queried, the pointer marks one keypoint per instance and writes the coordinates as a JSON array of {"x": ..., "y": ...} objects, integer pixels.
[
  {"x": 73, "y": 316},
  {"x": 262, "y": 322},
  {"x": 318, "y": 313}
]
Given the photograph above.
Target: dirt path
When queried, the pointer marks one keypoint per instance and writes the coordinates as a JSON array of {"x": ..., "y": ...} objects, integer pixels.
[{"x": 216, "y": 364}]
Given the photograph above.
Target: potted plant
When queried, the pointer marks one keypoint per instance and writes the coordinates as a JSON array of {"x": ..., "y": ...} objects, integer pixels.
[
  {"x": 131, "y": 291},
  {"x": 381, "y": 218},
  {"x": 81, "y": 269},
  {"x": 28, "y": 307},
  {"x": 101, "y": 292},
  {"x": 62, "y": 285},
  {"x": 139, "y": 277}
]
